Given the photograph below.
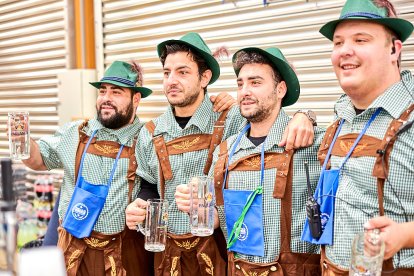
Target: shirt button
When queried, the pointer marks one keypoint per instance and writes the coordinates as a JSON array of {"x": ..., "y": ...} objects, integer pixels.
[{"x": 273, "y": 268}]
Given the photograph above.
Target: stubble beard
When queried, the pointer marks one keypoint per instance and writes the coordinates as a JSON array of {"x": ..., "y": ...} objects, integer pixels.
[
  {"x": 257, "y": 115},
  {"x": 261, "y": 113}
]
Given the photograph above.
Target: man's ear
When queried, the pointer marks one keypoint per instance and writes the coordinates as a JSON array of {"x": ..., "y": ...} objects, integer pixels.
[
  {"x": 206, "y": 77},
  {"x": 136, "y": 99},
  {"x": 396, "y": 48},
  {"x": 281, "y": 90}
]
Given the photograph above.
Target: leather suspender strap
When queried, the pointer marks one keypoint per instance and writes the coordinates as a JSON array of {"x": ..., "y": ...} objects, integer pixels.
[
  {"x": 183, "y": 144},
  {"x": 282, "y": 189},
  {"x": 162, "y": 154},
  {"x": 326, "y": 142},
  {"x": 272, "y": 160},
  {"x": 286, "y": 209},
  {"x": 83, "y": 139},
  {"x": 161, "y": 151},
  {"x": 132, "y": 168},
  {"x": 107, "y": 149},
  {"x": 216, "y": 138},
  {"x": 389, "y": 140},
  {"x": 380, "y": 170},
  {"x": 219, "y": 173}
]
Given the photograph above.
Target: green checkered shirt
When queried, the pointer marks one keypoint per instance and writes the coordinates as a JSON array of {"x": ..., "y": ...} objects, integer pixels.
[
  {"x": 357, "y": 185},
  {"x": 185, "y": 165},
  {"x": 59, "y": 151},
  {"x": 249, "y": 180}
]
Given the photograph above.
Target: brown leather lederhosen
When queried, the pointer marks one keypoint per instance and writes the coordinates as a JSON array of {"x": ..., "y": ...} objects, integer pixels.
[
  {"x": 187, "y": 254},
  {"x": 288, "y": 262},
  {"x": 118, "y": 254},
  {"x": 368, "y": 146}
]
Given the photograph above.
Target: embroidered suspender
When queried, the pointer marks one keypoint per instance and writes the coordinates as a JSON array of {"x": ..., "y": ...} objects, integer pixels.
[
  {"x": 188, "y": 143},
  {"x": 368, "y": 146},
  {"x": 107, "y": 149}
]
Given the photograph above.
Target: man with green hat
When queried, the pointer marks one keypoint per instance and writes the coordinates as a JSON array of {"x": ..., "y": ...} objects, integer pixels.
[
  {"x": 178, "y": 145},
  {"x": 261, "y": 188},
  {"x": 98, "y": 159},
  {"x": 371, "y": 141}
]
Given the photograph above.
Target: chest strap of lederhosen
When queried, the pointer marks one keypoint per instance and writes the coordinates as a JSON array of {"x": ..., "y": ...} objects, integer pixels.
[
  {"x": 368, "y": 146},
  {"x": 107, "y": 149},
  {"x": 283, "y": 162},
  {"x": 188, "y": 143}
]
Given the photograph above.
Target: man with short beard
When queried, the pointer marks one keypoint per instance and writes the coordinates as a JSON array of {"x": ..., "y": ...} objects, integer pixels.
[
  {"x": 192, "y": 129},
  {"x": 179, "y": 145},
  {"x": 250, "y": 165},
  {"x": 98, "y": 159}
]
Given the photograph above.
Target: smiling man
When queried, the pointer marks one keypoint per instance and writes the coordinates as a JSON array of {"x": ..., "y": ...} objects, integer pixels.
[
  {"x": 376, "y": 179},
  {"x": 98, "y": 159},
  {"x": 263, "y": 233}
]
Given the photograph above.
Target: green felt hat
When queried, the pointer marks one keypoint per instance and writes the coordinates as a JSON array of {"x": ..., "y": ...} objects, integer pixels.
[
  {"x": 196, "y": 43},
  {"x": 279, "y": 61},
  {"x": 367, "y": 10},
  {"x": 121, "y": 74}
]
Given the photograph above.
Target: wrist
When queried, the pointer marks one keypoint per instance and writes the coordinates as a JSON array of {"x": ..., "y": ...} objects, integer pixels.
[{"x": 309, "y": 114}]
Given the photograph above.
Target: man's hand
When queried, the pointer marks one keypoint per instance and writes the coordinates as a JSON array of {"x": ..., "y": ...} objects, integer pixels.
[
  {"x": 298, "y": 134},
  {"x": 222, "y": 101},
  {"x": 182, "y": 198},
  {"x": 135, "y": 213},
  {"x": 395, "y": 235}
]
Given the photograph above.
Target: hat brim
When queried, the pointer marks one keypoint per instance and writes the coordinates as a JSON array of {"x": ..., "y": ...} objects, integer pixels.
[
  {"x": 145, "y": 92},
  {"x": 401, "y": 27},
  {"x": 212, "y": 63},
  {"x": 284, "y": 69}
]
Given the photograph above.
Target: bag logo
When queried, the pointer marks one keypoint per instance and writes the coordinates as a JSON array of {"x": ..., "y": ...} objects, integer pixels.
[
  {"x": 324, "y": 220},
  {"x": 244, "y": 232},
  {"x": 80, "y": 211}
]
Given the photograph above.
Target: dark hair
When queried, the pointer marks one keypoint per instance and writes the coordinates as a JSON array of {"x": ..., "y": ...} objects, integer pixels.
[
  {"x": 250, "y": 57},
  {"x": 178, "y": 47}
]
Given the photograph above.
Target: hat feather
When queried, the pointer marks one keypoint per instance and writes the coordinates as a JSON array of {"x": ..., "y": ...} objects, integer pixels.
[
  {"x": 221, "y": 51},
  {"x": 135, "y": 67}
]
